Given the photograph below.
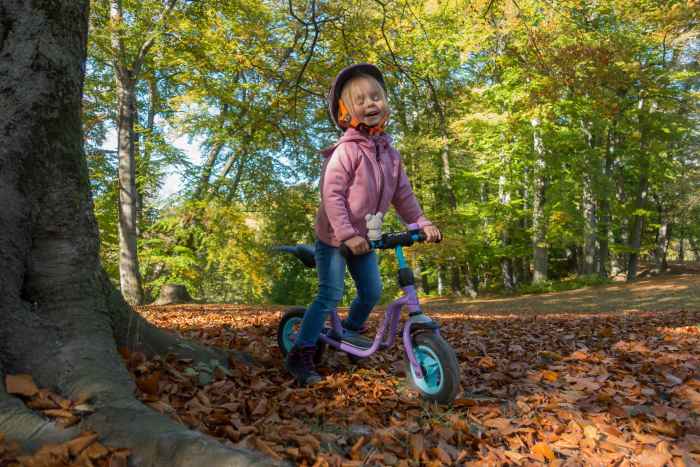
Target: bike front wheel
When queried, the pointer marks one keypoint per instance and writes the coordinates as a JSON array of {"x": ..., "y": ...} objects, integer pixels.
[{"x": 438, "y": 363}]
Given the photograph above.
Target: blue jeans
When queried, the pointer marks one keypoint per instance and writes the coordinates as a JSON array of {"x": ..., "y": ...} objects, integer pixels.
[{"x": 331, "y": 278}]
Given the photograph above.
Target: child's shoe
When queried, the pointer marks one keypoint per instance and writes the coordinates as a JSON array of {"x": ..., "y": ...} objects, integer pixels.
[
  {"x": 300, "y": 363},
  {"x": 356, "y": 339}
]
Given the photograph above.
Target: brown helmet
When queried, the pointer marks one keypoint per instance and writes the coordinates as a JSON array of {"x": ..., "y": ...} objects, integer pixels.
[{"x": 343, "y": 77}]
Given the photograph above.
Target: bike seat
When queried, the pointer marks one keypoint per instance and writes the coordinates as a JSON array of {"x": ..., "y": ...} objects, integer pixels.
[{"x": 305, "y": 253}]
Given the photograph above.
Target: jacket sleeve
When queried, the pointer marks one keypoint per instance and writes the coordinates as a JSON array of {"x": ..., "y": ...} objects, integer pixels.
[
  {"x": 405, "y": 202},
  {"x": 337, "y": 177}
]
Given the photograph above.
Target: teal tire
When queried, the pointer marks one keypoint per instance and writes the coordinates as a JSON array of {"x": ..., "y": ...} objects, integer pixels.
[
  {"x": 438, "y": 362},
  {"x": 288, "y": 329}
]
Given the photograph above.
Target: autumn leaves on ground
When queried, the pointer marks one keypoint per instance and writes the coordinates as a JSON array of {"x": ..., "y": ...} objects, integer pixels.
[{"x": 600, "y": 376}]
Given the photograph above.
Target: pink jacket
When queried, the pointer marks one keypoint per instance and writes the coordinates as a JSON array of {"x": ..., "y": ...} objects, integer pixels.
[{"x": 355, "y": 181}]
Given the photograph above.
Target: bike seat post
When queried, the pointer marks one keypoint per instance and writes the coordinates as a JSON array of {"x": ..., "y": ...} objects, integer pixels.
[{"x": 407, "y": 281}]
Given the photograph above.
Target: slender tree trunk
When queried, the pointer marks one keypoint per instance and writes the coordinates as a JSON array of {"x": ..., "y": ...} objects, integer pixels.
[
  {"x": 447, "y": 191},
  {"x": 455, "y": 279},
  {"x": 504, "y": 200},
  {"x": 539, "y": 221},
  {"x": 129, "y": 274},
  {"x": 62, "y": 318},
  {"x": 470, "y": 285},
  {"x": 440, "y": 282},
  {"x": 418, "y": 272},
  {"x": 589, "y": 227},
  {"x": 590, "y": 177},
  {"x": 681, "y": 248},
  {"x": 662, "y": 242},
  {"x": 605, "y": 217},
  {"x": 214, "y": 150},
  {"x": 212, "y": 157},
  {"x": 695, "y": 246},
  {"x": 424, "y": 279},
  {"x": 637, "y": 222}
]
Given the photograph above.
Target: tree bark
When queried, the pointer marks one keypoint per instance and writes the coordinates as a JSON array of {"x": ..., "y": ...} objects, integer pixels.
[
  {"x": 440, "y": 282},
  {"x": 455, "y": 279},
  {"x": 588, "y": 204},
  {"x": 662, "y": 242},
  {"x": 681, "y": 248},
  {"x": 470, "y": 283},
  {"x": 173, "y": 294},
  {"x": 637, "y": 222},
  {"x": 62, "y": 318},
  {"x": 129, "y": 274},
  {"x": 447, "y": 193},
  {"x": 504, "y": 200},
  {"x": 605, "y": 216},
  {"x": 214, "y": 150},
  {"x": 695, "y": 246},
  {"x": 539, "y": 221}
]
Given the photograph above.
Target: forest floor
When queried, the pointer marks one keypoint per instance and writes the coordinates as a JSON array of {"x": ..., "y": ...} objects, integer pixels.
[{"x": 606, "y": 375}]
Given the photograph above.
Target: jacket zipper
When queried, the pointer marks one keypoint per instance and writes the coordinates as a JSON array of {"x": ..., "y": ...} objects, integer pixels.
[{"x": 381, "y": 176}]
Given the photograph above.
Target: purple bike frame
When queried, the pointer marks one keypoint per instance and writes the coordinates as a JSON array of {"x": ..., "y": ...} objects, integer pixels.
[{"x": 390, "y": 322}]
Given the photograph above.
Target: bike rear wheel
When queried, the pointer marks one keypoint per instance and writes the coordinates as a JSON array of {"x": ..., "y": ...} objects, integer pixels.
[
  {"x": 288, "y": 329},
  {"x": 438, "y": 362}
]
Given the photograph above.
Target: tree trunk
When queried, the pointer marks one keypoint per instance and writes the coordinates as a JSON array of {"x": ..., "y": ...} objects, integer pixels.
[
  {"x": 424, "y": 280},
  {"x": 695, "y": 246},
  {"x": 62, "y": 319},
  {"x": 213, "y": 155},
  {"x": 539, "y": 221},
  {"x": 455, "y": 280},
  {"x": 589, "y": 229},
  {"x": 504, "y": 200},
  {"x": 681, "y": 249},
  {"x": 662, "y": 241},
  {"x": 588, "y": 204},
  {"x": 470, "y": 284},
  {"x": 605, "y": 216},
  {"x": 440, "y": 283},
  {"x": 173, "y": 294},
  {"x": 214, "y": 151},
  {"x": 637, "y": 223},
  {"x": 129, "y": 274},
  {"x": 446, "y": 193}
]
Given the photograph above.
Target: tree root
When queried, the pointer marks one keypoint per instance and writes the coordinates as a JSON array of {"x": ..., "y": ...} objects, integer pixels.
[
  {"x": 19, "y": 423},
  {"x": 158, "y": 441},
  {"x": 134, "y": 332}
]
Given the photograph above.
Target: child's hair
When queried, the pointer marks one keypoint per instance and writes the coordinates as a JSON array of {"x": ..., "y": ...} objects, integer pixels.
[{"x": 348, "y": 93}]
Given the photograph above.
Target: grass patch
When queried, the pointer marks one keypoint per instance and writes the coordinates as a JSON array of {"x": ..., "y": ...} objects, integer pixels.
[{"x": 571, "y": 283}]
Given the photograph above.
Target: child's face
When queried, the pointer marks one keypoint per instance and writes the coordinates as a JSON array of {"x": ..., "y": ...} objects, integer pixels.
[{"x": 367, "y": 100}]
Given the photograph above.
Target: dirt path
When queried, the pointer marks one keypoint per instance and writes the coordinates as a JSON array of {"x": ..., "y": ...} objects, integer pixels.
[{"x": 671, "y": 292}]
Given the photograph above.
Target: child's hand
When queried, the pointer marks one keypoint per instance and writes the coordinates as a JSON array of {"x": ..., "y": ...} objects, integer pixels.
[
  {"x": 358, "y": 245},
  {"x": 432, "y": 234}
]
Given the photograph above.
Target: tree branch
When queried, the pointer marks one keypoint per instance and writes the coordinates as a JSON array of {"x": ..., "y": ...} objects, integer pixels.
[{"x": 146, "y": 47}]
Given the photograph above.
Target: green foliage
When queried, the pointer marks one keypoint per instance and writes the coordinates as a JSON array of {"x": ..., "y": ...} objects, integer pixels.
[{"x": 613, "y": 84}]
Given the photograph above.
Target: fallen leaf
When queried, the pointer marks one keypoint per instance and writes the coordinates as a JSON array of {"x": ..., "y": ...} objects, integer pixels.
[
  {"x": 21, "y": 385},
  {"x": 543, "y": 450}
]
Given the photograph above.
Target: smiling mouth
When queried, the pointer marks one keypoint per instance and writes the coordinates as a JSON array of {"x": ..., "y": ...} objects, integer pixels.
[{"x": 372, "y": 114}]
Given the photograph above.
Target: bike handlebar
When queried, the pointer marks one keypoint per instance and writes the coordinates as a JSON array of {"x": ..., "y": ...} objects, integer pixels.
[{"x": 391, "y": 240}]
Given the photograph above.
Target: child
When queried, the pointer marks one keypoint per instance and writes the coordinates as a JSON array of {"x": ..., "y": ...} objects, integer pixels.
[{"x": 362, "y": 175}]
